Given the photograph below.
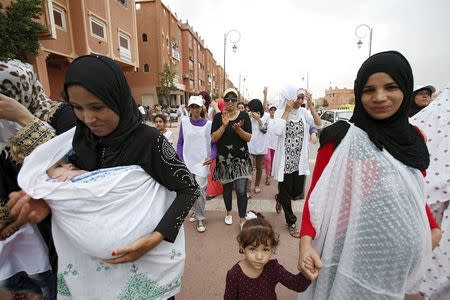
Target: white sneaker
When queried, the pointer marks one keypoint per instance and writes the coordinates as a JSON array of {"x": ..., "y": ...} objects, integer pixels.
[
  {"x": 200, "y": 226},
  {"x": 192, "y": 218},
  {"x": 229, "y": 219}
]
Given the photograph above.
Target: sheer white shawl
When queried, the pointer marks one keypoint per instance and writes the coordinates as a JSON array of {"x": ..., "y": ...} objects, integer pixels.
[{"x": 373, "y": 234}]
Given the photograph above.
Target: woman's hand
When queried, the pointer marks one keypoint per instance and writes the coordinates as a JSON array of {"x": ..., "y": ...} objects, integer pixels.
[
  {"x": 309, "y": 263},
  {"x": 23, "y": 209},
  {"x": 436, "y": 236},
  {"x": 309, "y": 101},
  {"x": 136, "y": 250},
  {"x": 12, "y": 110},
  {"x": 289, "y": 105},
  {"x": 256, "y": 116},
  {"x": 207, "y": 161},
  {"x": 238, "y": 126},
  {"x": 225, "y": 119}
]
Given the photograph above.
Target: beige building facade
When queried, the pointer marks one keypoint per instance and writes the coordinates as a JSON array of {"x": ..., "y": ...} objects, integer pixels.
[
  {"x": 164, "y": 39},
  {"x": 337, "y": 97},
  {"x": 159, "y": 43}
]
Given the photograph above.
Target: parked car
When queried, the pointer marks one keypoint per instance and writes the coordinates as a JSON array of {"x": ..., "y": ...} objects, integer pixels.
[
  {"x": 331, "y": 116},
  {"x": 173, "y": 114}
]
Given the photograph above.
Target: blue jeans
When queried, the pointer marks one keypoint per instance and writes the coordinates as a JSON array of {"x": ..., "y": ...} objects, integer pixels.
[{"x": 240, "y": 186}]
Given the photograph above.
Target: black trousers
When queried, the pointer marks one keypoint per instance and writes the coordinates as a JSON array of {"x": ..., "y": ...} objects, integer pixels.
[{"x": 291, "y": 187}]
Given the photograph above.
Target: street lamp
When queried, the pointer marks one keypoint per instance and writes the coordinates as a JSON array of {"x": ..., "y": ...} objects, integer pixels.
[
  {"x": 360, "y": 37},
  {"x": 225, "y": 51},
  {"x": 243, "y": 78}
]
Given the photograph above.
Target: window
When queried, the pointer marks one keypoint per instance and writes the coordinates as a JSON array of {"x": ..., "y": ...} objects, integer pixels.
[
  {"x": 144, "y": 37},
  {"x": 98, "y": 28},
  {"x": 124, "y": 47},
  {"x": 59, "y": 17},
  {"x": 146, "y": 68},
  {"x": 138, "y": 6},
  {"x": 123, "y": 2}
]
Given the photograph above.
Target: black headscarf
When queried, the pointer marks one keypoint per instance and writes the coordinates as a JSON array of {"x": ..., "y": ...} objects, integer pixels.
[
  {"x": 103, "y": 77},
  {"x": 255, "y": 105},
  {"x": 396, "y": 134}
]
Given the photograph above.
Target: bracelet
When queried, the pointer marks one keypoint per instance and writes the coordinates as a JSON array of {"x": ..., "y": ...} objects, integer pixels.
[{"x": 5, "y": 217}]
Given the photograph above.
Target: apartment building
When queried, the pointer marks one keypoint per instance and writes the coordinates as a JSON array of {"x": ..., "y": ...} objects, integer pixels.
[
  {"x": 194, "y": 61},
  {"x": 164, "y": 39},
  {"x": 159, "y": 43},
  {"x": 80, "y": 27},
  {"x": 210, "y": 70}
]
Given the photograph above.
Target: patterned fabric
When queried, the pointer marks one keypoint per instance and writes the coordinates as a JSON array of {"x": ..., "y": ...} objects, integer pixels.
[
  {"x": 28, "y": 138},
  {"x": 434, "y": 121},
  {"x": 293, "y": 145},
  {"x": 5, "y": 218},
  {"x": 372, "y": 229},
  {"x": 140, "y": 287},
  {"x": 233, "y": 159},
  {"x": 18, "y": 81}
]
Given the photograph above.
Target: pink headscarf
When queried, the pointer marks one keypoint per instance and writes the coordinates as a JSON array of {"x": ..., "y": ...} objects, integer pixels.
[{"x": 220, "y": 104}]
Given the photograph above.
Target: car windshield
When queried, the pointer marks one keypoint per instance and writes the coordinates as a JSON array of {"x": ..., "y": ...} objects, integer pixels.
[{"x": 344, "y": 115}]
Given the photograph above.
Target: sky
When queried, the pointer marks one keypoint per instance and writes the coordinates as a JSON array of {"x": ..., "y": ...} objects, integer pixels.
[{"x": 313, "y": 43}]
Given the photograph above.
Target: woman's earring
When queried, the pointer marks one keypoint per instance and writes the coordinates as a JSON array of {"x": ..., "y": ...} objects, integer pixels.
[{"x": 241, "y": 251}]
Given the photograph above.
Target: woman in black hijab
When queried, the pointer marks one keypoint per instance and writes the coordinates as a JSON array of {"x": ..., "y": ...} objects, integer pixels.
[
  {"x": 110, "y": 133},
  {"x": 366, "y": 216}
]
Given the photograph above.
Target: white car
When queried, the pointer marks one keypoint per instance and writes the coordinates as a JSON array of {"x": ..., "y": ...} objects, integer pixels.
[{"x": 331, "y": 116}]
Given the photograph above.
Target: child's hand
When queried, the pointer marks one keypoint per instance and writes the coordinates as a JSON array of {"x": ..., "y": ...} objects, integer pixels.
[{"x": 309, "y": 263}]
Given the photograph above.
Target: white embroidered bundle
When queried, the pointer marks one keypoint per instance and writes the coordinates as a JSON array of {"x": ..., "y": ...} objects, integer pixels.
[{"x": 96, "y": 213}]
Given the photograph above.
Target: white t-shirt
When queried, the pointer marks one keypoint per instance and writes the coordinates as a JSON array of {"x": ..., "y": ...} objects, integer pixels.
[{"x": 259, "y": 141}]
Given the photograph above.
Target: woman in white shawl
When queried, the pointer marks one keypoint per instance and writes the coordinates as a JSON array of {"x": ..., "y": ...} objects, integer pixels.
[
  {"x": 434, "y": 121},
  {"x": 366, "y": 228},
  {"x": 290, "y": 164}
]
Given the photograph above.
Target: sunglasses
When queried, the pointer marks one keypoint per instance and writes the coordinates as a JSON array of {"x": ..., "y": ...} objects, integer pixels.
[{"x": 232, "y": 99}]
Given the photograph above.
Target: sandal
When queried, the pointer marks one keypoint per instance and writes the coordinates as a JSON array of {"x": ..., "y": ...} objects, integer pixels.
[
  {"x": 278, "y": 207},
  {"x": 293, "y": 231},
  {"x": 257, "y": 190},
  {"x": 267, "y": 181}
]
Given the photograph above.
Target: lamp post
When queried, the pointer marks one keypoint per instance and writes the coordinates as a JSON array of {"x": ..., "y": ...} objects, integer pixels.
[
  {"x": 243, "y": 75},
  {"x": 360, "y": 37},
  {"x": 307, "y": 80},
  {"x": 225, "y": 51}
]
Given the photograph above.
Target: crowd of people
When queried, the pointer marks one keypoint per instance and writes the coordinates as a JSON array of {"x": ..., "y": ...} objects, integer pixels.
[{"x": 93, "y": 199}]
